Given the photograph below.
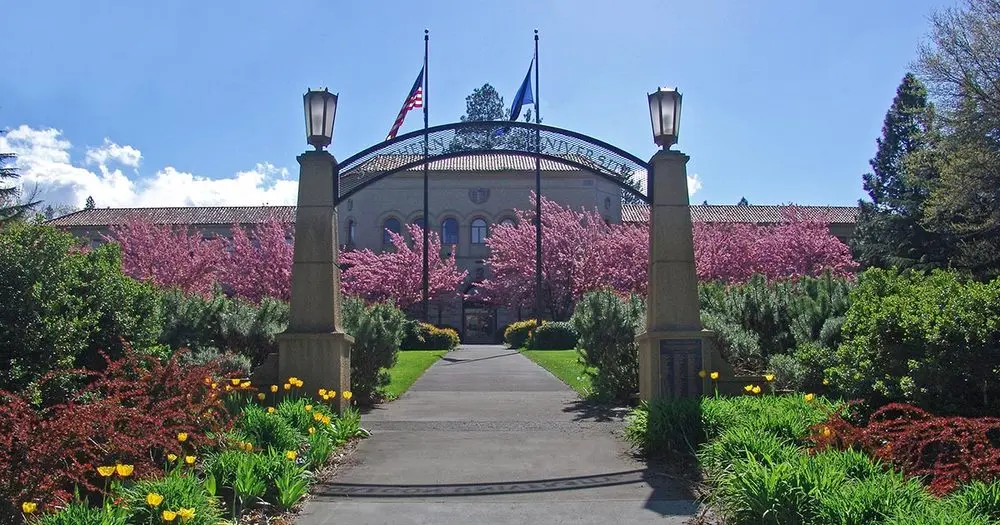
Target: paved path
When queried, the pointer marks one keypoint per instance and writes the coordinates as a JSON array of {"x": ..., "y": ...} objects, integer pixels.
[{"x": 487, "y": 436}]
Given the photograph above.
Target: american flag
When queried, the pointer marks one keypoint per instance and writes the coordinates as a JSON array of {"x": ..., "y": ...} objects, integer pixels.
[{"x": 414, "y": 100}]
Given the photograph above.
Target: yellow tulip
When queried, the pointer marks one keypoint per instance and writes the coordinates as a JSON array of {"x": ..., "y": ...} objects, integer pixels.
[
  {"x": 826, "y": 381},
  {"x": 274, "y": 388},
  {"x": 290, "y": 454},
  {"x": 826, "y": 432},
  {"x": 768, "y": 377},
  {"x": 809, "y": 397},
  {"x": 756, "y": 389},
  {"x": 248, "y": 446},
  {"x": 348, "y": 394},
  {"x": 701, "y": 374},
  {"x": 235, "y": 381},
  {"x": 185, "y": 514},
  {"x": 169, "y": 515},
  {"x": 270, "y": 410},
  {"x": 312, "y": 430},
  {"x": 153, "y": 499},
  {"x": 190, "y": 459},
  {"x": 292, "y": 380},
  {"x": 309, "y": 408},
  {"x": 28, "y": 507},
  {"x": 244, "y": 385},
  {"x": 171, "y": 457},
  {"x": 208, "y": 380},
  {"x": 326, "y": 420},
  {"x": 322, "y": 392},
  {"x": 317, "y": 416},
  {"x": 106, "y": 471},
  {"x": 182, "y": 437},
  {"x": 215, "y": 385},
  {"x": 714, "y": 375},
  {"x": 229, "y": 388},
  {"x": 124, "y": 470},
  {"x": 331, "y": 393},
  {"x": 261, "y": 396},
  {"x": 748, "y": 388},
  {"x": 287, "y": 386}
]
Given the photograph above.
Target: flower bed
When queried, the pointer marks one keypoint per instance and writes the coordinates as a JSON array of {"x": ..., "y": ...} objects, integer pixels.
[
  {"x": 761, "y": 460},
  {"x": 153, "y": 442}
]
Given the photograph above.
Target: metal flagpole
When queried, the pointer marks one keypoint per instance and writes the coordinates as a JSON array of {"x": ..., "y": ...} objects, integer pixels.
[
  {"x": 427, "y": 217},
  {"x": 538, "y": 199}
]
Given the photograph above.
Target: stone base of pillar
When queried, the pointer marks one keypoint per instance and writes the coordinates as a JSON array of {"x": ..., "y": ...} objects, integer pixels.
[
  {"x": 669, "y": 363},
  {"x": 319, "y": 360}
]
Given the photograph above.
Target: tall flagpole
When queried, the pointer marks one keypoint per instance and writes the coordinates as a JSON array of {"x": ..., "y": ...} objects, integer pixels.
[
  {"x": 538, "y": 198},
  {"x": 427, "y": 217}
]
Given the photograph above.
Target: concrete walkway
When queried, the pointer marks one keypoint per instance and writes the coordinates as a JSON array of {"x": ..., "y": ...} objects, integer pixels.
[{"x": 487, "y": 436}]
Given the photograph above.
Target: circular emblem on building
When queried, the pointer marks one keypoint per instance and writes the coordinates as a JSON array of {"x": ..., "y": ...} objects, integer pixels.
[{"x": 479, "y": 195}]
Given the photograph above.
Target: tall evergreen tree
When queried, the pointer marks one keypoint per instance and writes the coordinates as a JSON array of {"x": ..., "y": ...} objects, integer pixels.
[
  {"x": 89, "y": 205},
  {"x": 11, "y": 207},
  {"x": 890, "y": 229},
  {"x": 483, "y": 105}
]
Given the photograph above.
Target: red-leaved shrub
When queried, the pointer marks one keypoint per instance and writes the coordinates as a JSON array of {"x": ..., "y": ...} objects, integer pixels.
[
  {"x": 130, "y": 413},
  {"x": 945, "y": 451}
]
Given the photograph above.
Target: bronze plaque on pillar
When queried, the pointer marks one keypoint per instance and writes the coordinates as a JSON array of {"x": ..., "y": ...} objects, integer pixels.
[{"x": 680, "y": 361}]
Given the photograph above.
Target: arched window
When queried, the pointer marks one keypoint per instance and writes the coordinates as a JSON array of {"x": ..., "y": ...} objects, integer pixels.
[
  {"x": 390, "y": 225},
  {"x": 449, "y": 231},
  {"x": 507, "y": 221},
  {"x": 479, "y": 231},
  {"x": 352, "y": 231},
  {"x": 419, "y": 221}
]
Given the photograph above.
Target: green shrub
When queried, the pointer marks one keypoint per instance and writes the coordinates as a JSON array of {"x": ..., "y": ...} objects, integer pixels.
[
  {"x": 608, "y": 325},
  {"x": 981, "y": 499},
  {"x": 781, "y": 493},
  {"x": 266, "y": 430},
  {"x": 178, "y": 490},
  {"x": 666, "y": 426},
  {"x": 78, "y": 513},
  {"x": 872, "y": 499},
  {"x": 378, "y": 331},
  {"x": 558, "y": 335},
  {"x": 425, "y": 336},
  {"x": 60, "y": 306},
  {"x": 517, "y": 333},
  {"x": 931, "y": 340},
  {"x": 230, "y": 364},
  {"x": 745, "y": 443},
  {"x": 223, "y": 324}
]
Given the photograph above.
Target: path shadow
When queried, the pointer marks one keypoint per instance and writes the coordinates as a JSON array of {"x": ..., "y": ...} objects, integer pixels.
[
  {"x": 590, "y": 410},
  {"x": 454, "y": 361},
  {"x": 668, "y": 497}
]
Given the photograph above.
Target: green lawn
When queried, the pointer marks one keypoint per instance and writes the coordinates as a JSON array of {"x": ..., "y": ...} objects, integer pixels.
[
  {"x": 410, "y": 365},
  {"x": 564, "y": 364}
]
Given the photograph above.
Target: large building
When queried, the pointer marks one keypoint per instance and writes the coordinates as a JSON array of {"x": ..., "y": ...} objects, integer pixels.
[{"x": 468, "y": 195}]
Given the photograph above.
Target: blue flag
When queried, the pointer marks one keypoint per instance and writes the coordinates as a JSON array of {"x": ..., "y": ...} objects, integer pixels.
[{"x": 524, "y": 95}]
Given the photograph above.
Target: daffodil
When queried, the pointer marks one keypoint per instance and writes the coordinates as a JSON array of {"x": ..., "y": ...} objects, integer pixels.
[
  {"x": 768, "y": 377},
  {"x": 701, "y": 374},
  {"x": 171, "y": 457},
  {"x": 714, "y": 375},
  {"x": 809, "y": 397},
  {"x": 169, "y": 515},
  {"x": 106, "y": 472},
  {"x": 28, "y": 507},
  {"x": 190, "y": 459},
  {"x": 185, "y": 514},
  {"x": 153, "y": 499},
  {"x": 124, "y": 470},
  {"x": 290, "y": 454},
  {"x": 182, "y": 436},
  {"x": 274, "y": 388},
  {"x": 348, "y": 394},
  {"x": 261, "y": 396},
  {"x": 309, "y": 408}
]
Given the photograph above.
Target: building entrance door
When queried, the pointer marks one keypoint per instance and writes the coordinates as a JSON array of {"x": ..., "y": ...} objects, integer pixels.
[{"x": 477, "y": 325}]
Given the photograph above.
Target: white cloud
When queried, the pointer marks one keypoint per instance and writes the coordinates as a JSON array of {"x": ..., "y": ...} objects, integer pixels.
[
  {"x": 45, "y": 164},
  {"x": 125, "y": 155},
  {"x": 694, "y": 184}
]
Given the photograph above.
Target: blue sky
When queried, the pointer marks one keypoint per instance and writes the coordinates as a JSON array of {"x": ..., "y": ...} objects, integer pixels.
[{"x": 187, "y": 102}]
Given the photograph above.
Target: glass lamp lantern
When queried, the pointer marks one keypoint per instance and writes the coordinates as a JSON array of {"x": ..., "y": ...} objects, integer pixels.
[
  {"x": 665, "y": 115},
  {"x": 321, "y": 110}
]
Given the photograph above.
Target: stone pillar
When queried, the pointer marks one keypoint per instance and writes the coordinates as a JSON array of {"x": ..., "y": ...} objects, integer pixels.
[
  {"x": 315, "y": 348},
  {"x": 674, "y": 348}
]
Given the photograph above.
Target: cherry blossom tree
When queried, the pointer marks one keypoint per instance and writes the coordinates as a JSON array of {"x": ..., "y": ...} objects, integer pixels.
[
  {"x": 169, "y": 257},
  {"x": 259, "y": 262},
  {"x": 398, "y": 275}
]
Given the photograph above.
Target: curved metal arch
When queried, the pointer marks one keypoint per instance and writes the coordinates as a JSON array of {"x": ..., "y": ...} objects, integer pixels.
[{"x": 462, "y": 139}]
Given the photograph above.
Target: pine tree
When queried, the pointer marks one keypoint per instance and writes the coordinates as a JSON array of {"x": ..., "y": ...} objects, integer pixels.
[
  {"x": 890, "y": 230},
  {"x": 11, "y": 207},
  {"x": 743, "y": 202},
  {"x": 90, "y": 203}
]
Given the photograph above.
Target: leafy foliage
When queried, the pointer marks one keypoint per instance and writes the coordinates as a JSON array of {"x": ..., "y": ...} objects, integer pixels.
[
  {"x": 425, "y": 336},
  {"x": 378, "y": 331},
  {"x": 517, "y": 333},
  {"x": 607, "y": 325},
  {"x": 557, "y": 335},
  {"x": 179, "y": 490},
  {"x": 259, "y": 261}
]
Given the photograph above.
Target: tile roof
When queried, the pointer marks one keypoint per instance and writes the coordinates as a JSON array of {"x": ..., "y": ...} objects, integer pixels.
[
  {"x": 472, "y": 162},
  {"x": 221, "y": 215},
  {"x": 226, "y": 215},
  {"x": 750, "y": 213}
]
